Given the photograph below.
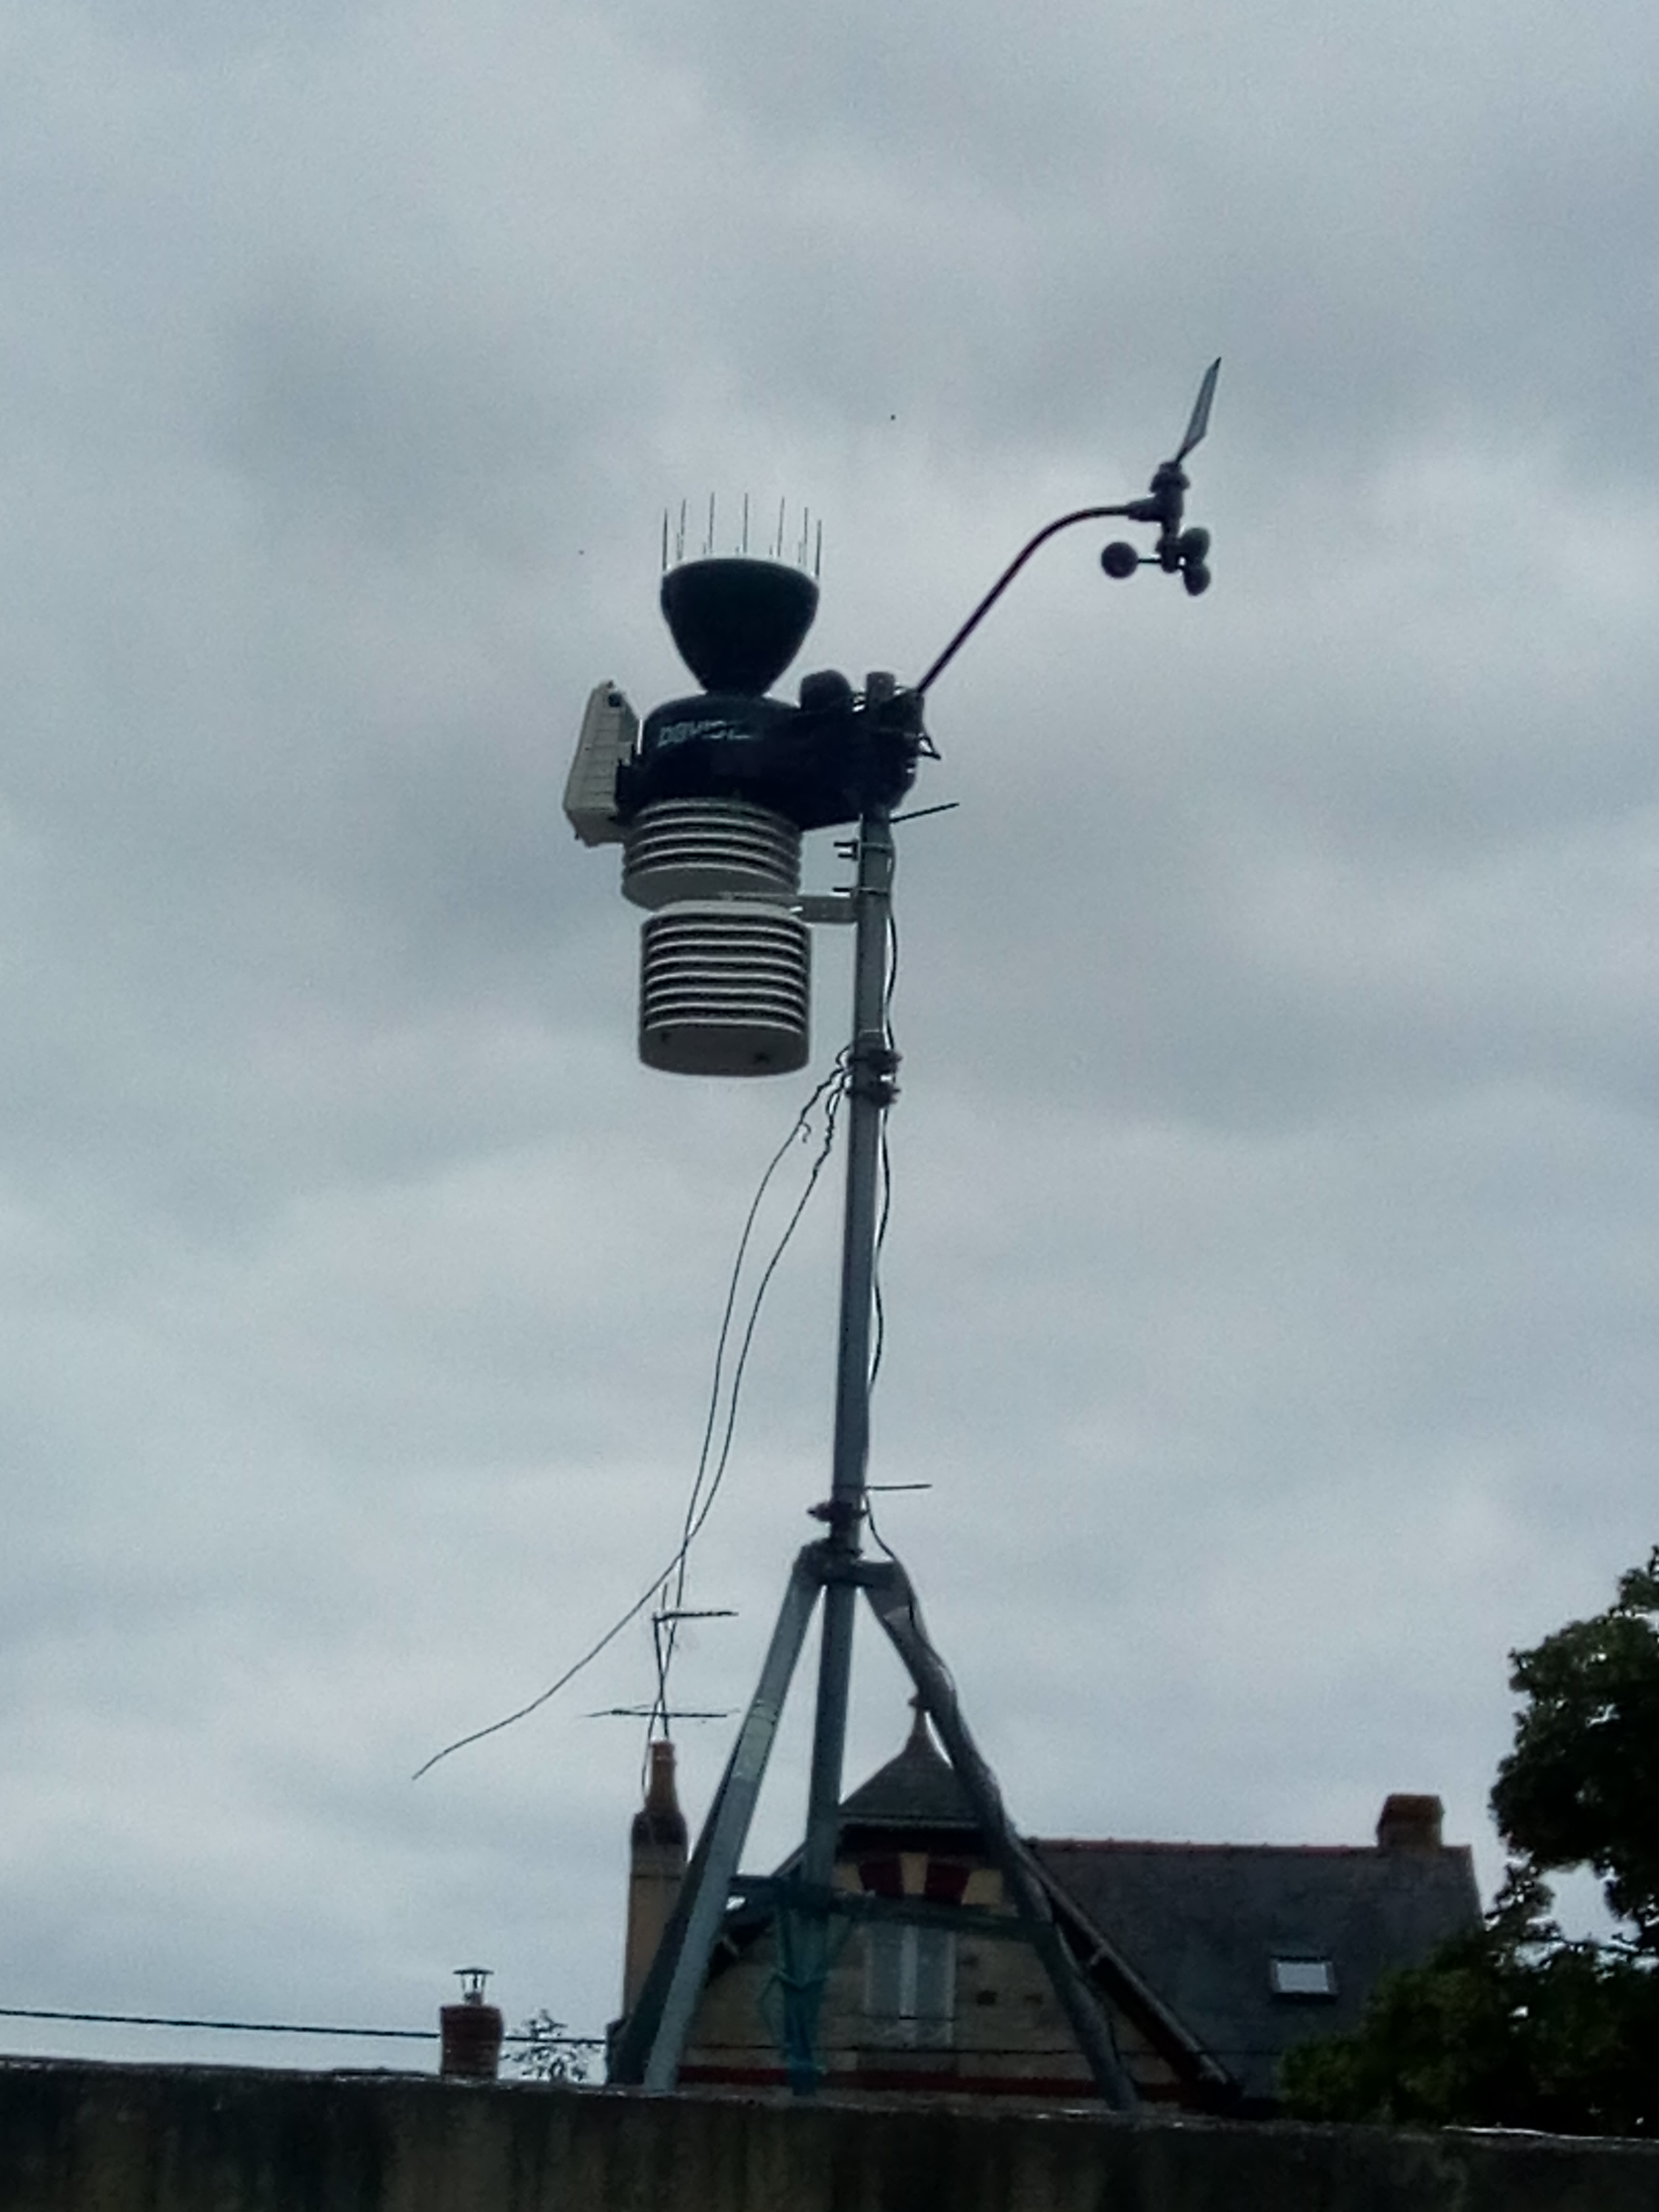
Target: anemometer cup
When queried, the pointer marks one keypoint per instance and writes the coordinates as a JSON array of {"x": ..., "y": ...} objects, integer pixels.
[
  {"x": 1193, "y": 548},
  {"x": 1184, "y": 556},
  {"x": 739, "y": 623}
]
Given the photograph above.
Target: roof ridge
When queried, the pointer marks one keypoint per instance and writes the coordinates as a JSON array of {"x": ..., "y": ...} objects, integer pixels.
[{"x": 1164, "y": 1844}]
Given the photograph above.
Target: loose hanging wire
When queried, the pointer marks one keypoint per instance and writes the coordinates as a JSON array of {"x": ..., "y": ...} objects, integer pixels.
[
  {"x": 882, "y": 1220},
  {"x": 830, "y": 1088},
  {"x": 877, "y": 1297},
  {"x": 831, "y": 1091},
  {"x": 884, "y": 1216},
  {"x": 888, "y": 987}
]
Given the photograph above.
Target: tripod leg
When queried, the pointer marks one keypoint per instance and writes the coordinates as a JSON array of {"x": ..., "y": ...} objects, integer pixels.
[
  {"x": 894, "y": 1600},
  {"x": 652, "y": 2041}
]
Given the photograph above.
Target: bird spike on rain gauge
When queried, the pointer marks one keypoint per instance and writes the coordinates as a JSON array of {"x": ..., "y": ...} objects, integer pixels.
[{"x": 709, "y": 801}]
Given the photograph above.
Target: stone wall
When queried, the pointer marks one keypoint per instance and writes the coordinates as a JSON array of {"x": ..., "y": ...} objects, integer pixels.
[{"x": 82, "y": 2138}]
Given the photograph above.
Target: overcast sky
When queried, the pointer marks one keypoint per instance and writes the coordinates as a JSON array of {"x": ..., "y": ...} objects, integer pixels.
[{"x": 1271, "y": 1282}]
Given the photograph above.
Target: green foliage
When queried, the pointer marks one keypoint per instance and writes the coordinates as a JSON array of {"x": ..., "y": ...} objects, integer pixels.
[
  {"x": 1581, "y": 1787},
  {"x": 546, "y": 2052},
  {"x": 1513, "y": 2026},
  {"x": 1510, "y": 2026}
]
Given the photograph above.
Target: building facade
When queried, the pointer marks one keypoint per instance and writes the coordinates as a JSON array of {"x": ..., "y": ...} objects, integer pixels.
[{"x": 1209, "y": 1960}]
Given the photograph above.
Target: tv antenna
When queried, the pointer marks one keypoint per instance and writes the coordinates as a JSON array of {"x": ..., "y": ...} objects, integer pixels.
[{"x": 709, "y": 801}]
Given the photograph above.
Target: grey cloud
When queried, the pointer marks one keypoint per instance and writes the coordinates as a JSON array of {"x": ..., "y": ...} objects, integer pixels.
[{"x": 1268, "y": 1290}]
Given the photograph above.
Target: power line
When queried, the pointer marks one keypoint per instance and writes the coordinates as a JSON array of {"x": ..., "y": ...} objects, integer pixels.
[{"x": 271, "y": 2027}]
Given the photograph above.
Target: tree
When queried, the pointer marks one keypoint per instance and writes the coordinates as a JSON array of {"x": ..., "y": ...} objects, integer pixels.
[
  {"x": 547, "y": 2052},
  {"x": 1581, "y": 1787},
  {"x": 1514, "y": 2026}
]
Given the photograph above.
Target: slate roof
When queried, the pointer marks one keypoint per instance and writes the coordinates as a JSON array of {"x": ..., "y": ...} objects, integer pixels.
[
  {"x": 1200, "y": 1923},
  {"x": 917, "y": 1790}
]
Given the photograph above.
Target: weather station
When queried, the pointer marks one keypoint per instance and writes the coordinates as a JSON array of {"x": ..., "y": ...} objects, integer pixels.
[{"x": 708, "y": 800}]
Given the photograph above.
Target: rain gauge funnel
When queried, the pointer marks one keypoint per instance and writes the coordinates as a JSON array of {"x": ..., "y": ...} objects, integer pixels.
[{"x": 738, "y": 625}]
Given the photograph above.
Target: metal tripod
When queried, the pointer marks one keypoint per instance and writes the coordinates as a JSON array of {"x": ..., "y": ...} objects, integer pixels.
[{"x": 652, "y": 2043}]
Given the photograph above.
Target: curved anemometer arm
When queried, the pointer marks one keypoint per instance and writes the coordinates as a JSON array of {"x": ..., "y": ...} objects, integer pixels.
[
  {"x": 1179, "y": 552},
  {"x": 1051, "y": 530}
]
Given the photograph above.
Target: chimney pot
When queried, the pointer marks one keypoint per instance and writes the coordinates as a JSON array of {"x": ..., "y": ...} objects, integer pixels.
[
  {"x": 659, "y": 1819},
  {"x": 656, "y": 1868},
  {"x": 470, "y": 2043},
  {"x": 1409, "y": 1823}
]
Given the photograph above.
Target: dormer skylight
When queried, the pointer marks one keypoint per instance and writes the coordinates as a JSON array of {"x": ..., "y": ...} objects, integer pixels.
[{"x": 1303, "y": 1978}]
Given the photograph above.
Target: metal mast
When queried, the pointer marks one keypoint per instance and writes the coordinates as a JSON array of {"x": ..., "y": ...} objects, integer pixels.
[
  {"x": 870, "y": 1069},
  {"x": 652, "y": 2042}
]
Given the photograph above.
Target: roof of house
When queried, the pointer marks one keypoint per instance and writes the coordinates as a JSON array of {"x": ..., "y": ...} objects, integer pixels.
[
  {"x": 1202, "y": 1925},
  {"x": 1185, "y": 1935},
  {"x": 918, "y": 1789}
]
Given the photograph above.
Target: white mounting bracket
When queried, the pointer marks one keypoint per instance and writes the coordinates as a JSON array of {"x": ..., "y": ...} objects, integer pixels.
[{"x": 826, "y": 906}]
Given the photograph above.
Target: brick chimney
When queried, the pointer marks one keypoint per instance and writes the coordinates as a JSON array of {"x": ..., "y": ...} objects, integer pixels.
[
  {"x": 471, "y": 2031},
  {"x": 1409, "y": 1824},
  {"x": 656, "y": 1867}
]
